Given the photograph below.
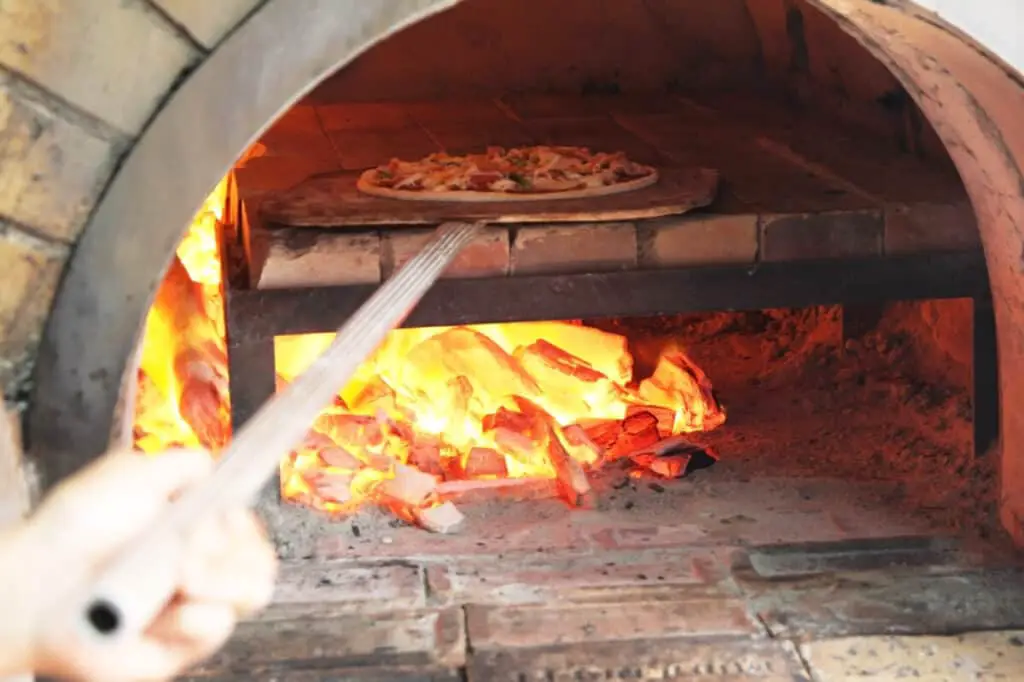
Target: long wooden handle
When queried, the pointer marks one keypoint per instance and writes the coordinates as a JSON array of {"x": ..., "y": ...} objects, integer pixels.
[{"x": 124, "y": 599}]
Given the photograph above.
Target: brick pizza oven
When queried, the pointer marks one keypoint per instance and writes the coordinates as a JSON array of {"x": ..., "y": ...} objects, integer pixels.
[{"x": 868, "y": 153}]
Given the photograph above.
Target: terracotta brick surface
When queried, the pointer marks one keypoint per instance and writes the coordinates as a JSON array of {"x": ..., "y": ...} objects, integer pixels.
[
  {"x": 359, "y": 149},
  {"x": 44, "y": 39},
  {"x": 582, "y": 247},
  {"x": 301, "y": 118},
  {"x": 53, "y": 170},
  {"x": 207, "y": 21},
  {"x": 410, "y": 638},
  {"x": 269, "y": 173},
  {"x": 466, "y": 111},
  {"x": 30, "y": 270},
  {"x": 308, "y": 587},
  {"x": 460, "y": 138},
  {"x": 680, "y": 658},
  {"x": 535, "y": 626},
  {"x": 485, "y": 256},
  {"x": 841, "y": 234},
  {"x": 309, "y": 258},
  {"x": 364, "y": 116},
  {"x": 930, "y": 227},
  {"x": 697, "y": 240}
]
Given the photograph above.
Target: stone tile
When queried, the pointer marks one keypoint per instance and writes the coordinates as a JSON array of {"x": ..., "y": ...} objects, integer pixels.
[
  {"x": 920, "y": 228},
  {"x": 311, "y": 258},
  {"x": 301, "y": 118},
  {"x": 206, "y": 21},
  {"x": 666, "y": 659},
  {"x": 697, "y": 240},
  {"x": 31, "y": 270},
  {"x": 840, "y": 234},
  {"x": 269, "y": 173},
  {"x": 421, "y": 638},
  {"x": 598, "y": 133},
  {"x": 355, "y": 673},
  {"x": 459, "y": 138},
  {"x": 53, "y": 169},
  {"x": 478, "y": 112},
  {"x": 626, "y": 576},
  {"x": 787, "y": 560},
  {"x": 42, "y": 39},
  {"x": 570, "y": 248},
  {"x": 307, "y": 588},
  {"x": 364, "y": 116},
  {"x": 500, "y": 627},
  {"x": 313, "y": 145},
  {"x": 538, "y": 106},
  {"x": 889, "y": 601},
  {"x": 486, "y": 256},
  {"x": 962, "y": 658},
  {"x": 364, "y": 149}
]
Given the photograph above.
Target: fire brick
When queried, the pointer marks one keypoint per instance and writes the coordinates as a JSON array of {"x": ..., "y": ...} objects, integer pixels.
[
  {"x": 531, "y": 626},
  {"x": 31, "y": 270},
  {"x": 842, "y": 234},
  {"x": 697, "y": 240},
  {"x": 117, "y": 89},
  {"x": 930, "y": 227},
  {"x": 53, "y": 169},
  {"x": 486, "y": 256},
  {"x": 579, "y": 247},
  {"x": 311, "y": 258}
]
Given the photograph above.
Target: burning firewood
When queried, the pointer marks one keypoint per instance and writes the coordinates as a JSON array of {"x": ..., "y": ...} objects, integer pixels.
[
  {"x": 602, "y": 432},
  {"x": 425, "y": 455},
  {"x": 678, "y": 381},
  {"x": 670, "y": 466},
  {"x": 409, "y": 486},
  {"x": 316, "y": 441},
  {"x": 581, "y": 447},
  {"x": 203, "y": 397},
  {"x": 340, "y": 458},
  {"x": 485, "y": 462},
  {"x": 332, "y": 487},
  {"x": 350, "y": 429},
  {"x": 484, "y": 490},
  {"x": 674, "y": 457},
  {"x": 444, "y": 518},
  {"x": 572, "y": 479},
  {"x": 664, "y": 416},
  {"x": 639, "y": 430}
]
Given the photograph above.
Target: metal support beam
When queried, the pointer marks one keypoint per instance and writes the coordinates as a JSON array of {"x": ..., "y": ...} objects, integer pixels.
[
  {"x": 256, "y": 317},
  {"x": 984, "y": 377}
]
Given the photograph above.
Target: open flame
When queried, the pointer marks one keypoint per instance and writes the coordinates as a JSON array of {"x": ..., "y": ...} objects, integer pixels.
[{"x": 431, "y": 409}]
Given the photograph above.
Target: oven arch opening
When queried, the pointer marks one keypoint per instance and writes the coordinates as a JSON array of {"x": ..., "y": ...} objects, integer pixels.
[{"x": 967, "y": 97}]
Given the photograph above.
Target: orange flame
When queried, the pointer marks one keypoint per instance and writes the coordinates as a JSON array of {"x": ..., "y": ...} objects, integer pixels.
[{"x": 468, "y": 402}]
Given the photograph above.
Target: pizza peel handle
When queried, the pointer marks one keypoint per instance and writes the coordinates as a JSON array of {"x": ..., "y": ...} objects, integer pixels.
[{"x": 124, "y": 600}]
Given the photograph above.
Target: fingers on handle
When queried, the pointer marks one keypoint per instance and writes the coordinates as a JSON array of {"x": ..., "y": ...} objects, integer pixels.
[{"x": 230, "y": 561}]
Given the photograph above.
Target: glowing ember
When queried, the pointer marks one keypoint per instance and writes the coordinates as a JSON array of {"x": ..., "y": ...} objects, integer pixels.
[
  {"x": 486, "y": 402},
  {"x": 182, "y": 397},
  {"x": 431, "y": 407}
]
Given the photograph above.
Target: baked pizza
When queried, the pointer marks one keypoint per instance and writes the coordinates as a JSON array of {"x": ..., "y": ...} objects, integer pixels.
[{"x": 499, "y": 174}]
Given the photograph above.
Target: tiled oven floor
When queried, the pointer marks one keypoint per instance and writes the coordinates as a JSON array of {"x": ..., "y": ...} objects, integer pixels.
[
  {"x": 717, "y": 577},
  {"x": 832, "y": 541}
]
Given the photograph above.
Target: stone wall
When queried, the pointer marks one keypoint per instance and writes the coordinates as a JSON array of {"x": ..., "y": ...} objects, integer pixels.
[{"x": 78, "y": 83}]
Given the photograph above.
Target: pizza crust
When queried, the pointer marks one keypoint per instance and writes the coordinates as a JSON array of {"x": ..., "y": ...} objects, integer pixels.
[{"x": 366, "y": 186}]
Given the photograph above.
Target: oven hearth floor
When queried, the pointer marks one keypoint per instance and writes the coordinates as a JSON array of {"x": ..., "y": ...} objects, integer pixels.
[
  {"x": 714, "y": 578},
  {"x": 829, "y": 543}
]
